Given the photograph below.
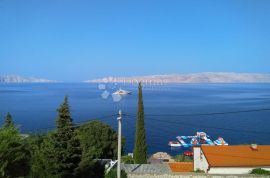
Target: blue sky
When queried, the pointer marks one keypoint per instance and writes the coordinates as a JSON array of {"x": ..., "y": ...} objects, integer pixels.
[{"x": 78, "y": 40}]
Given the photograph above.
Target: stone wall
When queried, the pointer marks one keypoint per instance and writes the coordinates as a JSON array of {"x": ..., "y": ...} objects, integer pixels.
[{"x": 146, "y": 168}]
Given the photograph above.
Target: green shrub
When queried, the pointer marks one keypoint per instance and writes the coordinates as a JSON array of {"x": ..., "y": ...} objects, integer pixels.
[
  {"x": 127, "y": 159},
  {"x": 113, "y": 174},
  {"x": 182, "y": 158},
  {"x": 260, "y": 171},
  {"x": 199, "y": 171}
]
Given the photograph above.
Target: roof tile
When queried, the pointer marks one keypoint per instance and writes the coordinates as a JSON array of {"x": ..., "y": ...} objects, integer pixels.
[{"x": 237, "y": 156}]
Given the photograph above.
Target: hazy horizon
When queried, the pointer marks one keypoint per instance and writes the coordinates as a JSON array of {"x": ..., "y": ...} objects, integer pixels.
[
  {"x": 241, "y": 77},
  {"x": 128, "y": 76}
]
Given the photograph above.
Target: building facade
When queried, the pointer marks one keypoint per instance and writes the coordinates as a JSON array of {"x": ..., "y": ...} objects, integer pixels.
[{"x": 231, "y": 159}]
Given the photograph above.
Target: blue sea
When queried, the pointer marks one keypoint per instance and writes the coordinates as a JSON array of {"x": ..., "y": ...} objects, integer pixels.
[{"x": 170, "y": 110}]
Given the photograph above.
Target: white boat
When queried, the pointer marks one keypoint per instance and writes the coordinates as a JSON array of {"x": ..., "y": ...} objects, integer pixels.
[
  {"x": 220, "y": 142},
  {"x": 122, "y": 92},
  {"x": 174, "y": 144}
]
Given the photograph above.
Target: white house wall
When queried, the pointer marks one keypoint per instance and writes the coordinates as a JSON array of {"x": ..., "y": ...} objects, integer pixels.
[
  {"x": 230, "y": 170},
  {"x": 200, "y": 162}
]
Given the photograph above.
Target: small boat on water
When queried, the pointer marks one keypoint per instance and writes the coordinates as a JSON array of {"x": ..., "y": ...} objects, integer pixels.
[
  {"x": 220, "y": 142},
  {"x": 122, "y": 92},
  {"x": 174, "y": 144}
]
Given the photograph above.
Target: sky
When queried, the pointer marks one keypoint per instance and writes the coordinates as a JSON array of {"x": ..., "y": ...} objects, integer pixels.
[{"x": 78, "y": 40}]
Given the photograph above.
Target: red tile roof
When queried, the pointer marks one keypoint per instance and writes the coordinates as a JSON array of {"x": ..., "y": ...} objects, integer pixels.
[
  {"x": 237, "y": 156},
  {"x": 181, "y": 167}
]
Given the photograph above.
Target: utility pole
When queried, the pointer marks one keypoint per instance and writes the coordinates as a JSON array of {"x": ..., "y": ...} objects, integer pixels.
[{"x": 119, "y": 118}]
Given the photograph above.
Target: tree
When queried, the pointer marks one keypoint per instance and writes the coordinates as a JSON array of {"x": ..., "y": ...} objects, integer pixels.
[
  {"x": 140, "y": 150},
  {"x": 8, "y": 121},
  {"x": 113, "y": 174},
  {"x": 14, "y": 153},
  {"x": 61, "y": 148},
  {"x": 98, "y": 141},
  {"x": 37, "y": 158}
]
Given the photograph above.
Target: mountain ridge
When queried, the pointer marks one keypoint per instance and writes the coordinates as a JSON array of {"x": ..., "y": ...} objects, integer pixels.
[
  {"x": 204, "y": 77},
  {"x": 21, "y": 79}
]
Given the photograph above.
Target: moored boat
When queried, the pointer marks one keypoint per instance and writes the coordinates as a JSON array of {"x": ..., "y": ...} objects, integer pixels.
[
  {"x": 220, "y": 142},
  {"x": 174, "y": 144},
  {"x": 122, "y": 92}
]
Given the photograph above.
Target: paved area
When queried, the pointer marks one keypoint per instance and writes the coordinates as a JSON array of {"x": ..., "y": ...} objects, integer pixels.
[{"x": 190, "y": 175}]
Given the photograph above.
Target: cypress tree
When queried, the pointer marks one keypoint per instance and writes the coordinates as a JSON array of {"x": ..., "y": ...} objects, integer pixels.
[
  {"x": 62, "y": 148},
  {"x": 8, "y": 121},
  {"x": 140, "y": 150}
]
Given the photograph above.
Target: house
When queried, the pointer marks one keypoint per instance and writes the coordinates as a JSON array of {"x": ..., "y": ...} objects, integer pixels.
[{"x": 231, "y": 159}]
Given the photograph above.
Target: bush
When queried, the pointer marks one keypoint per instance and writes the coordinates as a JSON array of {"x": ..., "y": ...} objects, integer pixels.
[
  {"x": 113, "y": 174},
  {"x": 199, "y": 171},
  {"x": 182, "y": 158},
  {"x": 127, "y": 159},
  {"x": 90, "y": 169},
  {"x": 260, "y": 171}
]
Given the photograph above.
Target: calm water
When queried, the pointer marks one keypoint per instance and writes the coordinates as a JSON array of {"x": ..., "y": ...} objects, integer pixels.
[{"x": 33, "y": 107}]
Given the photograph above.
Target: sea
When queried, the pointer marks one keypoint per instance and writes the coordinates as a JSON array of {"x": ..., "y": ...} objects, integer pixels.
[{"x": 240, "y": 113}]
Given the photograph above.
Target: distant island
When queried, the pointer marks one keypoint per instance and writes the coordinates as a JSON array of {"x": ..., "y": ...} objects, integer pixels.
[
  {"x": 206, "y": 77},
  {"x": 20, "y": 79}
]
